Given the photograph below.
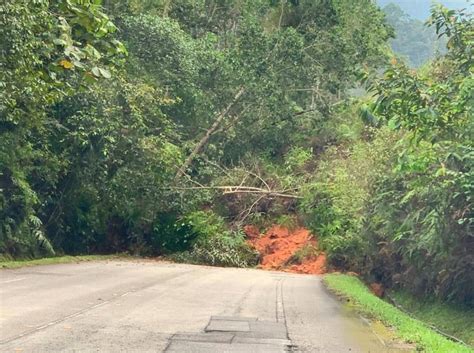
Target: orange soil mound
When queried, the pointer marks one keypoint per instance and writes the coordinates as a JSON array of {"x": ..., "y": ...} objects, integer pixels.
[{"x": 279, "y": 244}]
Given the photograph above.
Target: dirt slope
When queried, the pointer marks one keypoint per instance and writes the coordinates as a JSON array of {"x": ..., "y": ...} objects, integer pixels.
[{"x": 289, "y": 250}]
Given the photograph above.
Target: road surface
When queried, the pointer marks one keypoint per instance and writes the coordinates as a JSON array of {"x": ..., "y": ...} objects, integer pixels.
[{"x": 146, "y": 306}]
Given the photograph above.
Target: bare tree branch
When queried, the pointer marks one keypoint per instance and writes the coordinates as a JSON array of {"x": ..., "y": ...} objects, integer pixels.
[
  {"x": 241, "y": 217},
  {"x": 256, "y": 176},
  {"x": 262, "y": 191},
  {"x": 236, "y": 189},
  {"x": 218, "y": 120}
]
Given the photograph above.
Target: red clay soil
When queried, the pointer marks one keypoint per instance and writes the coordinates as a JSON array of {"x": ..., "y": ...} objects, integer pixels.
[{"x": 278, "y": 244}]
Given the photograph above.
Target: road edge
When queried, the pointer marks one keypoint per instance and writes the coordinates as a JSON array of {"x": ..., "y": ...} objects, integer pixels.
[{"x": 411, "y": 331}]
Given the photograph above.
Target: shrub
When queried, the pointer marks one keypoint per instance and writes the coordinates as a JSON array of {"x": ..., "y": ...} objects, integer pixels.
[
  {"x": 334, "y": 201},
  {"x": 171, "y": 234},
  {"x": 215, "y": 244}
]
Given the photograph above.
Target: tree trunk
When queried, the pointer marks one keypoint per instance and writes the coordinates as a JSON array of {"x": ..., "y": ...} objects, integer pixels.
[{"x": 205, "y": 139}]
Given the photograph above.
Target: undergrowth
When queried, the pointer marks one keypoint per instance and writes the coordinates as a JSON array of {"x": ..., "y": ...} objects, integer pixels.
[
  {"x": 215, "y": 243},
  {"x": 309, "y": 251}
]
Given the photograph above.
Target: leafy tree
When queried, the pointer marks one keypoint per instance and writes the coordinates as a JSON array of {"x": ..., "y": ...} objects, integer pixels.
[
  {"x": 397, "y": 205},
  {"x": 47, "y": 48}
]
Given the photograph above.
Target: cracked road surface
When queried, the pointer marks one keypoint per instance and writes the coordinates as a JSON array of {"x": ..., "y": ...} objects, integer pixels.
[{"x": 145, "y": 306}]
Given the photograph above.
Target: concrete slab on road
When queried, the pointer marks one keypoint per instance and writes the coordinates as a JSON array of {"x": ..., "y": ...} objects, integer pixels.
[
  {"x": 222, "y": 325},
  {"x": 226, "y": 334}
]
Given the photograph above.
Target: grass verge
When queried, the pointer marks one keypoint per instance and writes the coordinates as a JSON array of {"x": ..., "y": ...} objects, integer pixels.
[
  {"x": 453, "y": 319},
  {"x": 10, "y": 264},
  {"x": 407, "y": 328}
]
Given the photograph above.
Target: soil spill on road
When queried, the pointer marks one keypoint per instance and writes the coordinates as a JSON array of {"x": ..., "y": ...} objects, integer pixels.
[
  {"x": 289, "y": 250},
  {"x": 296, "y": 250}
]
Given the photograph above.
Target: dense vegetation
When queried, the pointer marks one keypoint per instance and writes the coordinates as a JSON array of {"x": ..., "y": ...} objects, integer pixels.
[
  {"x": 396, "y": 203},
  {"x": 161, "y": 127}
]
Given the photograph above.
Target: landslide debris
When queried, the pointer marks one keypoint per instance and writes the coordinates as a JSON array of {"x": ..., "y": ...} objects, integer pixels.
[{"x": 285, "y": 249}]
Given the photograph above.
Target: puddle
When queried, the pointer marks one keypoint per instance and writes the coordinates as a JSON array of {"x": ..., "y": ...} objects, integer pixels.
[{"x": 373, "y": 336}]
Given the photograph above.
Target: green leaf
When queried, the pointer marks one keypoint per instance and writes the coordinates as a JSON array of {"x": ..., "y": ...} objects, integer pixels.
[
  {"x": 394, "y": 123},
  {"x": 105, "y": 73},
  {"x": 96, "y": 71},
  {"x": 59, "y": 41}
]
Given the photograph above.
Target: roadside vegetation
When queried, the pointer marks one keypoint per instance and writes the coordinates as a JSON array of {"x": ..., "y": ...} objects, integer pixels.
[
  {"x": 395, "y": 201},
  {"x": 453, "y": 319},
  {"x": 12, "y": 264},
  {"x": 406, "y": 327},
  {"x": 159, "y": 127}
]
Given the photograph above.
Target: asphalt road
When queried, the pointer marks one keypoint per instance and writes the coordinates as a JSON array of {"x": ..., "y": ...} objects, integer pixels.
[{"x": 144, "y": 306}]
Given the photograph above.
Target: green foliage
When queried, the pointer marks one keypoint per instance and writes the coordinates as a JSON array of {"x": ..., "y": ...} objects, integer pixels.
[
  {"x": 334, "y": 201},
  {"x": 454, "y": 319},
  {"x": 92, "y": 135},
  {"x": 215, "y": 244},
  {"x": 407, "y": 328},
  {"x": 48, "y": 48},
  {"x": 427, "y": 202},
  {"x": 297, "y": 158},
  {"x": 287, "y": 221},
  {"x": 397, "y": 204},
  {"x": 224, "y": 251},
  {"x": 171, "y": 234},
  {"x": 309, "y": 251}
]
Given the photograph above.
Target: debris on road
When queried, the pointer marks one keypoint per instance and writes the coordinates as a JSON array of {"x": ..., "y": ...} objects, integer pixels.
[{"x": 285, "y": 249}]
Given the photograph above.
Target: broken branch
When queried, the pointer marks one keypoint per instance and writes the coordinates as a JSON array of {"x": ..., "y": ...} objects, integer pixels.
[
  {"x": 228, "y": 190},
  {"x": 199, "y": 146}
]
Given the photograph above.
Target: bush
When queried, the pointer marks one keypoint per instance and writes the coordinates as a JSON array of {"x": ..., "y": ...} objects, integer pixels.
[
  {"x": 228, "y": 250},
  {"x": 216, "y": 245},
  {"x": 334, "y": 201},
  {"x": 307, "y": 252},
  {"x": 420, "y": 219},
  {"x": 171, "y": 234},
  {"x": 400, "y": 215}
]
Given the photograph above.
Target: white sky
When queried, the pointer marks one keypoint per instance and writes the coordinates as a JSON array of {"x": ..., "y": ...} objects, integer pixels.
[{"x": 421, "y": 8}]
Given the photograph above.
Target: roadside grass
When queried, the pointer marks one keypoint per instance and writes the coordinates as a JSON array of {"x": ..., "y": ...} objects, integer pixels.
[
  {"x": 407, "y": 328},
  {"x": 455, "y": 320},
  {"x": 11, "y": 264}
]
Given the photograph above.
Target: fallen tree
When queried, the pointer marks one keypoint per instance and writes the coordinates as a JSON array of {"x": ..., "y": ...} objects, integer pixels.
[{"x": 237, "y": 189}]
